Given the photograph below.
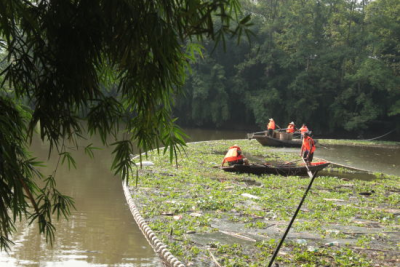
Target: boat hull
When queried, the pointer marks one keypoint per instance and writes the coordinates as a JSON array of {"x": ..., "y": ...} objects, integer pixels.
[
  {"x": 286, "y": 170},
  {"x": 271, "y": 141}
]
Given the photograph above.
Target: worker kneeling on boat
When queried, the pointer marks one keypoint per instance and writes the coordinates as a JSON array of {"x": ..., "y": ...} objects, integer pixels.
[
  {"x": 307, "y": 148},
  {"x": 234, "y": 156}
]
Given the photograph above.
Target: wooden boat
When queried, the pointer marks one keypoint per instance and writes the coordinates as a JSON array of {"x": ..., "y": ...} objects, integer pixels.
[
  {"x": 270, "y": 141},
  {"x": 282, "y": 169},
  {"x": 265, "y": 140}
]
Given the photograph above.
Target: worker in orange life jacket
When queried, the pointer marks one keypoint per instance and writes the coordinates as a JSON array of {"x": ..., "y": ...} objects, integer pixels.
[
  {"x": 303, "y": 130},
  {"x": 307, "y": 148},
  {"x": 271, "y": 127},
  {"x": 291, "y": 128},
  {"x": 234, "y": 156}
]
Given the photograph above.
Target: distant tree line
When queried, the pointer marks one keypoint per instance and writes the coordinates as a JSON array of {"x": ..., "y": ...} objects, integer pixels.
[{"x": 333, "y": 64}]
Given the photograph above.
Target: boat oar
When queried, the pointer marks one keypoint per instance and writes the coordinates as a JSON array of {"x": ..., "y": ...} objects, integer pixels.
[
  {"x": 312, "y": 176},
  {"x": 308, "y": 170}
]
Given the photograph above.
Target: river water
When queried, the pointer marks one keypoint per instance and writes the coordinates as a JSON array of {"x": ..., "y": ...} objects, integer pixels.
[{"x": 102, "y": 232}]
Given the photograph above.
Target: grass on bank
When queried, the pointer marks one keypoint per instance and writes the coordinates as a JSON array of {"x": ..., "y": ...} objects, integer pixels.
[{"x": 205, "y": 216}]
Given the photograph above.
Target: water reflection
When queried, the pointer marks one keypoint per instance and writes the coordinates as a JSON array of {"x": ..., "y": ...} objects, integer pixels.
[
  {"x": 101, "y": 232},
  {"x": 372, "y": 159}
]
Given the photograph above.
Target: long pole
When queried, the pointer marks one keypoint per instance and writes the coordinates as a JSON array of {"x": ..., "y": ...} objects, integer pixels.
[{"x": 312, "y": 176}]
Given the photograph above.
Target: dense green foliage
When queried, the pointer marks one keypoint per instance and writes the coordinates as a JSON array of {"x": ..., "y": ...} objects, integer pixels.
[
  {"x": 73, "y": 68},
  {"x": 333, "y": 64}
]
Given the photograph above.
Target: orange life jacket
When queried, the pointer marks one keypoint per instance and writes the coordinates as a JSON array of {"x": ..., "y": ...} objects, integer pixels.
[
  {"x": 271, "y": 125},
  {"x": 308, "y": 144},
  {"x": 232, "y": 154},
  {"x": 303, "y": 129},
  {"x": 290, "y": 128}
]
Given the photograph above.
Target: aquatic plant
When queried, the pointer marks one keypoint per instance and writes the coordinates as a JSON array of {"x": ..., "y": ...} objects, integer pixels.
[{"x": 205, "y": 215}]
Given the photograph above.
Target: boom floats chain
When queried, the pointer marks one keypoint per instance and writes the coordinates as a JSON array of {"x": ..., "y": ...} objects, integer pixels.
[{"x": 159, "y": 247}]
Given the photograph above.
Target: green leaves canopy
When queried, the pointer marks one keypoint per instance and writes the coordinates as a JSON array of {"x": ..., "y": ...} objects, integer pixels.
[
  {"x": 103, "y": 62},
  {"x": 333, "y": 64}
]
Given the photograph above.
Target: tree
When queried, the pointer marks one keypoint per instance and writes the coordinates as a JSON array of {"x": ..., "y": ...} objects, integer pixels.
[
  {"x": 333, "y": 64},
  {"x": 384, "y": 25},
  {"x": 206, "y": 98},
  {"x": 62, "y": 55}
]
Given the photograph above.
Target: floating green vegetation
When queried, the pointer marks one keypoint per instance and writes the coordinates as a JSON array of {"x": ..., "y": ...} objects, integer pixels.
[{"x": 207, "y": 216}]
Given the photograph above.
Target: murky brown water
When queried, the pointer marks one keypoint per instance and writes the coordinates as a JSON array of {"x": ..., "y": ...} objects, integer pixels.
[
  {"x": 372, "y": 159},
  {"x": 102, "y": 232}
]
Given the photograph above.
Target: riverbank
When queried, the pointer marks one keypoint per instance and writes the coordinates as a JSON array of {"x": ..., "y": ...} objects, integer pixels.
[{"x": 208, "y": 217}]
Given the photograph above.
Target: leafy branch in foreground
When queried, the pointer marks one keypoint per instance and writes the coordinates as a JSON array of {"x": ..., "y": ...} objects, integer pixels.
[
  {"x": 103, "y": 63},
  {"x": 20, "y": 195}
]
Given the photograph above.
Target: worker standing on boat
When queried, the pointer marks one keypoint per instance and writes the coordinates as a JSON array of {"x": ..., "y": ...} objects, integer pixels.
[
  {"x": 307, "y": 148},
  {"x": 271, "y": 127},
  {"x": 290, "y": 130},
  {"x": 303, "y": 130},
  {"x": 234, "y": 156}
]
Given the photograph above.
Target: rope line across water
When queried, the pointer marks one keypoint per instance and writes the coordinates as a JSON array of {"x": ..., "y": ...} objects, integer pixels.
[
  {"x": 159, "y": 247},
  {"x": 380, "y": 136}
]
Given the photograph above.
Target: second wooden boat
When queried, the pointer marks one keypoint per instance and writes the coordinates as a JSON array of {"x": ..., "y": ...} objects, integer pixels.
[{"x": 276, "y": 141}]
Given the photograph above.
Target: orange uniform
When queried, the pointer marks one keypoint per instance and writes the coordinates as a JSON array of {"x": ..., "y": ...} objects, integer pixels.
[
  {"x": 308, "y": 144},
  {"x": 290, "y": 128},
  {"x": 234, "y": 154},
  {"x": 307, "y": 149},
  {"x": 271, "y": 125},
  {"x": 303, "y": 129}
]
